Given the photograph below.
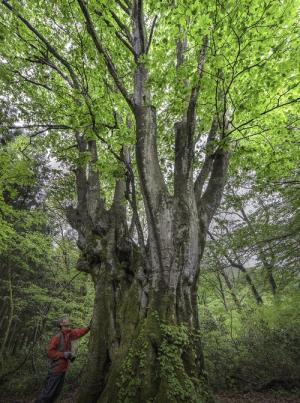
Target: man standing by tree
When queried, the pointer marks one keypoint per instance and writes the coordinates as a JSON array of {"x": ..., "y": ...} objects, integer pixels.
[{"x": 60, "y": 352}]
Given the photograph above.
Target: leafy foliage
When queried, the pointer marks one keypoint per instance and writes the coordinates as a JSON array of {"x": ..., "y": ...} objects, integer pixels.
[{"x": 55, "y": 86}]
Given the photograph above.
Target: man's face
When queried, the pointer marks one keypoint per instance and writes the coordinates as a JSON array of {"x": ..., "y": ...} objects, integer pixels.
[{"x": 65, "y": 323}]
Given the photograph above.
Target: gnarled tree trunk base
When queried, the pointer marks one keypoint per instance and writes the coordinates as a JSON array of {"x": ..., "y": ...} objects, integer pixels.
[{"x": 149, "y": 358}]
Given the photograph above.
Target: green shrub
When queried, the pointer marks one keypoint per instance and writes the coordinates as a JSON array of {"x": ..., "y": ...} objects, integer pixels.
[{"x": 254, "y": 348}]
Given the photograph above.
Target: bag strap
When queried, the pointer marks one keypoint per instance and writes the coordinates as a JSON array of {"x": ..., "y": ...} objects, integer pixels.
[
  {"x": 61, "y": 343},
  {"x": 60, "y": 348}
]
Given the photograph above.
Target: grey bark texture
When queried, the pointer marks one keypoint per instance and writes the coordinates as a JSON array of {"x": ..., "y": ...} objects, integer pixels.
[{"x": 143, "y": 289}]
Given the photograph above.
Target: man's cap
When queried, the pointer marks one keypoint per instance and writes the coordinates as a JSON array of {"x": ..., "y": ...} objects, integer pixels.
[{"x": 64, "y": 320}]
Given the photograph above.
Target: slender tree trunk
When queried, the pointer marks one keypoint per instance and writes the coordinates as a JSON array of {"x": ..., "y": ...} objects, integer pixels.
[
  {"x": 11, "y": 339},
  {"x": 238, "y": 264},
  {"x": 271, "y": 279},
  {"x": 267, "y": 263},
  {"x": 10, "y": 318},
  {"x": 34, "y": 340},
  {"x": 5, "y": 310},
  {"x": 230, "y": 288},
  {"x": 2, "y": 311},
  {"x": 14, "y": 346},
  {"x": 223, "y": 296},
  {"x": 255, "y": 293}
]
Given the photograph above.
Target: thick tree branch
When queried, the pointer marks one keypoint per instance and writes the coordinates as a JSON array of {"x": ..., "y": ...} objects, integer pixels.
[
  {"x": 122, "y": 26},
  {"x": 93, "y": 195},
  {"x": 80, "y": 172},
  {"x": 126, "y": 43},
  {"x": 185, "y": 129},
  {"x": 132, "y": 199},
  {"x": 139, "y": 19},
  {"x": 195, "y": 90},
  {"x": 102, "y": 51},
  {"x": 212, "y": 196},
  {"x": 125, "y": 8},
  {"x": 151, "y": 34},
  {"x": 208, "y": 161}
]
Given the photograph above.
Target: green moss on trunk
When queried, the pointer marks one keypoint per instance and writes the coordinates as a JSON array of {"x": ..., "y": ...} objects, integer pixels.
[{"x": 153, "y": 368}]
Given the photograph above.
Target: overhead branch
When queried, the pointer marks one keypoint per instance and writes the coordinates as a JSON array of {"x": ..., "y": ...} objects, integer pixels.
[
  {"x": 109, "y": 146},
  {"x": 45, "y": 86},
  {"x": 50, "y": 48},
  {"x": 185, "y": 129},
  {"x": 47, "y": 126},
  {"x": 265, "y": 112},
  {"x": 139, "y": 27},
  {"x": 102, "y": 51},
  {"x": 132, "y": 199},
  {"x": 151, "y": 33},
  {"x": 80, "y": 172},
  {"x": 126, "y": 43},
  {"x": 212, "y": 196},
  {"x": 125, "y": 8},
  {"x": 208, "y": 161},
  {"x": 196, "y": 88},
  {"x": 45, "y": 61},
  {"x": 93, "y": 197},
  {"x": 122, "y": 26}
]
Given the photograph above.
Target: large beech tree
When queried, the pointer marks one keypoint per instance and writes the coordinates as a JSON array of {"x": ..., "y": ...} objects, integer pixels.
[{"x": 187, "y": 83}]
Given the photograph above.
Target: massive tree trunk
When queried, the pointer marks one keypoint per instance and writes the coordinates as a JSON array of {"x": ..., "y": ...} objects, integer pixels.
[{"x": 144, "y": 343}]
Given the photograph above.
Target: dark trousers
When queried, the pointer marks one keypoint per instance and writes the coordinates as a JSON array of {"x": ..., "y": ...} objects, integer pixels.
[{"x": 52, "y": 388}]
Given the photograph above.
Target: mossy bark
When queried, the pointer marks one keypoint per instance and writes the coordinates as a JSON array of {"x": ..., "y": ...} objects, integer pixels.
[
  {"x": 144, "y": 342},
  {"x": 150, "y": 358}
]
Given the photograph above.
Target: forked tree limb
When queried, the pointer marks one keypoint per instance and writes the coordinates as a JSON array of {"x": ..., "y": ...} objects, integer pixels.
[
  {"x": 208, "y": 161},
  {"x": 103, "y": 52},
  {"x": 49, "y": 47}
]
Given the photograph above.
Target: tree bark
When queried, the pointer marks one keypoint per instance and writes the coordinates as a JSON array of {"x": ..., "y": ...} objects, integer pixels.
[
  {"x": 222, "y": 293},
  {"x": 248, "y": 278},
  {"x": 268, "y": 263},
  {"x": 144, "y": 342}
]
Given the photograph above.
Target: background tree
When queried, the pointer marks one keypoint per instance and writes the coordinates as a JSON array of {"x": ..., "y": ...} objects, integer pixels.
[{"x": 39, "y": 280}]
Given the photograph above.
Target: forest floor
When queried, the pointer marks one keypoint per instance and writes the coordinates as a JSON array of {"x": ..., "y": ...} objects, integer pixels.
[
  {"x": 258, "y": 397},
  {"x": 226, "y": 397}
]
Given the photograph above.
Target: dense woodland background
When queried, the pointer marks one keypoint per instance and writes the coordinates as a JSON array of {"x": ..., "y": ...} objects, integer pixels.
[{"x": 248, "y": 296}]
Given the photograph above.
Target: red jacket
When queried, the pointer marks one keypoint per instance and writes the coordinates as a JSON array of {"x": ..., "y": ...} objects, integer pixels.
[{"x": 60, "y": 364}]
